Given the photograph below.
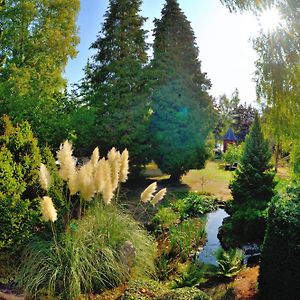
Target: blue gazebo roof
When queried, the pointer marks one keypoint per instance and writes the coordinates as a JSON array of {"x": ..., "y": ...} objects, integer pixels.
[{"x": 230, "y": 136}]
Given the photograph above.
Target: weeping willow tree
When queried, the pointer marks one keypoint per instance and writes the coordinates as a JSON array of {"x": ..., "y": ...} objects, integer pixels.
[{"x": 278, "y": 70}]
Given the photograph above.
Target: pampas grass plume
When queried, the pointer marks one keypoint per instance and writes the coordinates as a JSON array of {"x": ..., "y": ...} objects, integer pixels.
[
  {"x": 66, "y": 161},
  {"x": 95, "y": 157},
  {"x": 45, "y": 178},
  {"x": 100, "y": 175},
  {"x": 159, "y": 196},
  {"x": 107, "y": 192},
  {"x": 113, "y": 157},
  {"x": 124, "y": 166},
  {"x": 147, "y": 194},
  {"x": 73, "y": 183},
  {"x": 85, "y": 180},
  {"x": 48, "y": 210}
]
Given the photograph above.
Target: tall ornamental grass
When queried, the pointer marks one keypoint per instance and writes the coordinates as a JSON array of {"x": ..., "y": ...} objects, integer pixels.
[{"x": 88, "y": 256}]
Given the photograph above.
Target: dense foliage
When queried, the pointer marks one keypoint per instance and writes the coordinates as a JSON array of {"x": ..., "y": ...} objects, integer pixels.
[
  {"x": 183, "y": 205},
  {"x": 182, "y": 109},
  {"x": 116, "y": 85},
  {"x": 232, "y": 113},
  {"x": 280, "y": 267},
  {"x": 233, "y": 154},
  {"x": 252, "y": 190},
  {"x": 180, "y": 231},
  {"x": 37, "y": 38},
  {"x": 20, "y": 159}
]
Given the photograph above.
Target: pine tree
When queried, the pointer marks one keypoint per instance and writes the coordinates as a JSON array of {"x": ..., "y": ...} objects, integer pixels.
[
  {"x": 37, "y": 38},
  {"x": 182, "y": 109},
  {"x": 252, "y": 190},
  {"x": 117, "y": 83}
]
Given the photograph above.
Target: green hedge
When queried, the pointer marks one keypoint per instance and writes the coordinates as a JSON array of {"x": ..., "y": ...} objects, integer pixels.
[{"x": 280, "y": 264}]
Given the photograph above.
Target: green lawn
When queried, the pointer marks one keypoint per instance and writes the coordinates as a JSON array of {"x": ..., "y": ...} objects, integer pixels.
[{"x": 212, "y": 179}]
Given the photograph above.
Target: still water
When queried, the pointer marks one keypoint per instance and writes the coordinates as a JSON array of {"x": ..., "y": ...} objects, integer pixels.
[{"x": 214, "y": 221}]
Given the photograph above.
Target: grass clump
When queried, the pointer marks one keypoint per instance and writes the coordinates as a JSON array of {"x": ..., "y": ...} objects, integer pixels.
[
  {"x": 87, "y": 258},
  {"x": 185, "y": 236}
]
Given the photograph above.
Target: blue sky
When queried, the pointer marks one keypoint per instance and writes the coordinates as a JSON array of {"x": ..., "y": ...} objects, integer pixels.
[{"x": 223, "y": 40}]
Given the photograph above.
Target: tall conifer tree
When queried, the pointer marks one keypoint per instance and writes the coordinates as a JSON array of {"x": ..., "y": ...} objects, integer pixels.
[
  {"x": 252, "y": 190},
  {"x": 182, "y": 109},
  {"x": 37, "y": 38},
  {"x": 117, "y": 83}
]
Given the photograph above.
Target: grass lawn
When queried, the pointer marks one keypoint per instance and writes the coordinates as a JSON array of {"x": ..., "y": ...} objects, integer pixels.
[{"x": 212, "y": 179}]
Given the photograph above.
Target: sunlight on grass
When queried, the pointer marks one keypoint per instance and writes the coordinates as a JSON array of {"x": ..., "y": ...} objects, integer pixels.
[{"x": 212, "y": 179}]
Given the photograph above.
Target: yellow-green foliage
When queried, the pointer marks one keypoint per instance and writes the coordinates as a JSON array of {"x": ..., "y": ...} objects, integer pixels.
[
  {"x": 20, "y": 159},
  {"x": 19, "y": 162}
]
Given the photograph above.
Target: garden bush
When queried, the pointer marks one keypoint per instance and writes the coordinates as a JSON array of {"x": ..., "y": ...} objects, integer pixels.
[
  {"x": 20, "y": 159},
  {"x": 193, "y": 274},
  {"x": 246, "y": 224},
  {"x": 280, "y": 265},
  {"x": 193, "y": 204},
  {"x": 233, "y": 154}
]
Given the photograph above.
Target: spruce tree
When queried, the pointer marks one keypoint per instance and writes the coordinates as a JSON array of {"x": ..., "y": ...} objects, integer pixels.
[
  {"x": 116, "y": 81},
  {"x": 182, "y": 109},
  {"x": 253, "y": 180},
  {"x": 252, "y": 190}
]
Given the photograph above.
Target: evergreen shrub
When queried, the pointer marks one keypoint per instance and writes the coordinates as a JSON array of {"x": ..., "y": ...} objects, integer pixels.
[
  {"x": 20, "y": 159},
  {"x": 252, "y": 189},
  {"x": 280, "y": 265}
]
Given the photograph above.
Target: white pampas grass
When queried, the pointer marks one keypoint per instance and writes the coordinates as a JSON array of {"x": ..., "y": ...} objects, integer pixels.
[
  {"x": 113, "y": 157},
  {"x": 45, "y": 178},
  {"x": 159, "y": 196},
  {"x": 95, "y": 157},
  {"x": 124, "y": 166},
  {"x": 147, "y": 194},
  {"x": 85, "y": 181},
  {"x": 107, "y": 192},
  {"x": 48, "y": 210},
  {"x": 73, "y": 183},
  {"x": 100, "y": 176},
  {"x": 66, "y": 161}
]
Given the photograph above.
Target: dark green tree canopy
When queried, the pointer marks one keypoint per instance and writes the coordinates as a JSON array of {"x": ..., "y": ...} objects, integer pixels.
[
  {"x": 175, "y": 46},
  {"x": 116, "y": 81},
  {"x": 182, "y": 109}
]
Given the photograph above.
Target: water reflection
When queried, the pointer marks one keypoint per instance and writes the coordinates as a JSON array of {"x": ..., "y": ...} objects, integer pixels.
[{"x": 214, "y": 221}]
